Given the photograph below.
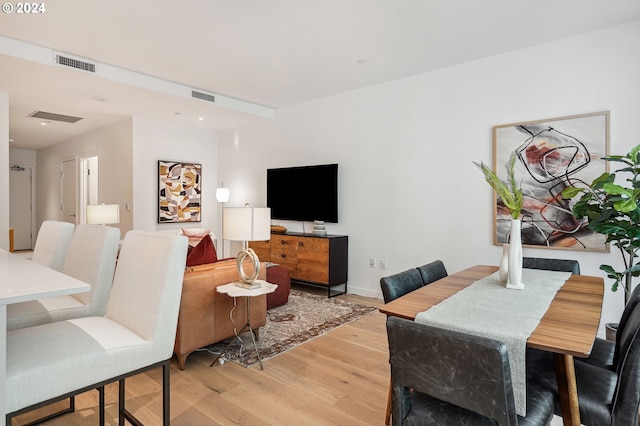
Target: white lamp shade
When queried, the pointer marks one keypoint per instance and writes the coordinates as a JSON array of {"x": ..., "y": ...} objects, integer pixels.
[
  {"x": 103, "y": 214},
  {"x": 246, "y": 223},
  {"x": 222, "y": 195}
]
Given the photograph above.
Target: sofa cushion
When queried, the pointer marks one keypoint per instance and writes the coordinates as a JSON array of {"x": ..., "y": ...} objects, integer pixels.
[{"x": 203, "y": 253}]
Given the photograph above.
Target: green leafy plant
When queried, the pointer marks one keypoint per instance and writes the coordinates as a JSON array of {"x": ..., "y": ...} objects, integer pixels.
[
  {"x": 509, "y": 192},
  {"x": 613, "y": 209}
]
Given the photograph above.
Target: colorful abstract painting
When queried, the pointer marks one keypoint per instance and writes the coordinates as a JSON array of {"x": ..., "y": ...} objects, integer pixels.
[
  {"x": 552, "y": 155},
  {"x": 179, "y": 192}
]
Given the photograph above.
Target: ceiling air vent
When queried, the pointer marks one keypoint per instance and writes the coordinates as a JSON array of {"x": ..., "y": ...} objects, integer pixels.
[
  {"x": 43, "y": 115},
  {"x": 75, "y": 63},
  {"x": 204, "y": 96}
]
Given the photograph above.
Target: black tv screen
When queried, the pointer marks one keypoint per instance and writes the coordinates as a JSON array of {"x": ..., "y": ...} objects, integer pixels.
[{"x": 303, "y": 193}]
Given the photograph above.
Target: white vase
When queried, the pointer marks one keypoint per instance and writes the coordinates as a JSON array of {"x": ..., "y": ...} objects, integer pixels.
[
  {"x": 503, "y": 273},
  {"x": 515, "y": 256}
]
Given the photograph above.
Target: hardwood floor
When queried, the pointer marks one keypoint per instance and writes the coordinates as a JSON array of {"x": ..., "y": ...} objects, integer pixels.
[{"x": 340, "y": 378}]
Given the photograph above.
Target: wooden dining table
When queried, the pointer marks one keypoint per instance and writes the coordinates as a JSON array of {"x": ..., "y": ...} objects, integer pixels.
[
  {"x": 567, "y": 329},
  {"x": 22, "y": 280}
]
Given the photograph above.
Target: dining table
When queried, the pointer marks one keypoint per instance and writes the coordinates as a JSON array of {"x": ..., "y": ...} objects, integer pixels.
[
  {"x": 567, "y": 329},
  {"x": 22, "y": 280}
]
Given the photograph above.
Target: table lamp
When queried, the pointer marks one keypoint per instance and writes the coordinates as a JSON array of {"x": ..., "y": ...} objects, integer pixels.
[
  {"x": 103, "y": 214},
  {"x": 247, "y": 224}
]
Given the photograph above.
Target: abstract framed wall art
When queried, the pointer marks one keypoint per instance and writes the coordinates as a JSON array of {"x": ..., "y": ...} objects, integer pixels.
[
  {"x": 179, "y": 192},
  {"x": 552, "y": 155}
]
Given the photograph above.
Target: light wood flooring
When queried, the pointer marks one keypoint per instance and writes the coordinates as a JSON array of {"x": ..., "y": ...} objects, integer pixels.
[{"x": 340, "y": 378}]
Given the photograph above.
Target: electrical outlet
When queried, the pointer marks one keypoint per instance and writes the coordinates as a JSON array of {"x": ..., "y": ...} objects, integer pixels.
[
  {"x": 372, "y": 262},
  {"x": 383, "y": 263}
]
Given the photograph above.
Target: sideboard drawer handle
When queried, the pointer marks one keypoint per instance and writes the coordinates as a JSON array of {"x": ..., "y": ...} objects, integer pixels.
[
  {"x": 283, "y": 255},
  {"x": 300, "y": 244},
  {"x": 282, "y": 242}
]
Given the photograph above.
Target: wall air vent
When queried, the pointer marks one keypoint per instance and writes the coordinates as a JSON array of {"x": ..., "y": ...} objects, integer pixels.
[
  {"x": 50, "y": 116},
  {"x": 75, "y": 63},
  {"x": 204, "y": 96}
]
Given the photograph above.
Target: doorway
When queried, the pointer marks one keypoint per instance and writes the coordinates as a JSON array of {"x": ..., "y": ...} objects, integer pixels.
[
  {"x": 77, "y": 193},
  {"x": 21, "y": 206},
  {"x": 69, "y": 200}
]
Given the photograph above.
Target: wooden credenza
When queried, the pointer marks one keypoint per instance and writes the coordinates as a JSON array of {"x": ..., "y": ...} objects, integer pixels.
[{"x": 311, "y": 259}]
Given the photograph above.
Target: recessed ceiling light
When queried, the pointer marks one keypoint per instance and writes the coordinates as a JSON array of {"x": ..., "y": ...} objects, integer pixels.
[
  {"x": 177, "y": 113},
  {"x": 99, "y": 99},
  {"x": 200, "y": 118},
  {"x": 44, "y": 123},
  {"x": 361, "y": 61}
]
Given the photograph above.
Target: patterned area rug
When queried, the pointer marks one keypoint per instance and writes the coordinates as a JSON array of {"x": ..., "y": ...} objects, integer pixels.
[{"x": 303, "y": 318}]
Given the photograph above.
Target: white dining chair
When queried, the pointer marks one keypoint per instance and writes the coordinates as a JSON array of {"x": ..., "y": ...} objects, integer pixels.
[
  {"x": 91, "y": 258},
  {"x": 51, "y": 362},
  {"x": 52, "y": 244}
]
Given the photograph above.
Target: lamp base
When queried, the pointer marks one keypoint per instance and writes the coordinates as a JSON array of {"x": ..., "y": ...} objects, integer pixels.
[
  {"x": 249, "y": 286},
  {"x": 248, "y": 279}
]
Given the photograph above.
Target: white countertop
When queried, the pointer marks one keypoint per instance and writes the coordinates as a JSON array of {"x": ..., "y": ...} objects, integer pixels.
[{"x": 23, "y": 280}]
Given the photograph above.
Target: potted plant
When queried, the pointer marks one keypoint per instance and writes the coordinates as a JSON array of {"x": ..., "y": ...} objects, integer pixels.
[
  {"x": 610, "y": 205},
  {"x": 511, "y": 195}
]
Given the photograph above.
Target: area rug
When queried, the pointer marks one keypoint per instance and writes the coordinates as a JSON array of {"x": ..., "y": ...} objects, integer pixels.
[{"x": 304, "y": 317}]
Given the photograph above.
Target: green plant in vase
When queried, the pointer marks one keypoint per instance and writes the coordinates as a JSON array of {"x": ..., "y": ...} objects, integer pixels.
[
  {"x": 510, "y": 193},
  {"x": 611, "y": 206}
]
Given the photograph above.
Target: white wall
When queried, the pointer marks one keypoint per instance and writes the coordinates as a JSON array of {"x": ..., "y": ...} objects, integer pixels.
[
  {"x": 113, "y": 145},
  {"x": 153, "y": 141},
  {"x": 4, "y": 172},
  {"x": 409, "y": 192},
  {"x": 22, "y": 157}
]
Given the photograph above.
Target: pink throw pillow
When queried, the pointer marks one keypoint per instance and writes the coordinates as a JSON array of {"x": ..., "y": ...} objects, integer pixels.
[{"x": 195, "y": 236}]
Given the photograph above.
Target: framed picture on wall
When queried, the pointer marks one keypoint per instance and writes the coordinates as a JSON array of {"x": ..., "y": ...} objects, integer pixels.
[
  {"x": 552, "y": 155},
  {"x": 179, "y": 192}
]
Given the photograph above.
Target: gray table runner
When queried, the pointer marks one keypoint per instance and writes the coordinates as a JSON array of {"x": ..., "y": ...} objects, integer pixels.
[{"x": 487, "y": 308}]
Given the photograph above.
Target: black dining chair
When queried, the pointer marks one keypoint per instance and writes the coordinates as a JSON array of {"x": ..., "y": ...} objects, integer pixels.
[
  {"x": 606, "y": 397},
  {"x": 448, "y": 377},
  {"x": 400, "y": 284},
  {"x": 561, "y": 265},
  {"x": 432, "y": 271}
]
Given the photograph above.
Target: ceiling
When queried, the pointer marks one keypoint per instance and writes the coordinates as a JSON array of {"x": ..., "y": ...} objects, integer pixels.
[{"x": 256, "y": 55}]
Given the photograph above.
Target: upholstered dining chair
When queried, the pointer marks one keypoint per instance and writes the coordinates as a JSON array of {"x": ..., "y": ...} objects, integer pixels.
[
  {"x": 91, "y": 258},
  {"x": 52, "y": 243},
  {"x": 562, "y": 265},
  {"x": 393, "y": 287},
  {"x": 402, "y": 283},
  {"x": 136, "y": 334},
  {"x": 432, "y": 271},
  {"x": 447, "y": 377},
  {"x": 606, "y": 397}
]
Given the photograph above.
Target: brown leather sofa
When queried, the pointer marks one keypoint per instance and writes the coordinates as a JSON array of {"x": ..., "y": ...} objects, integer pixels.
[{"x": 204, "y": 313}]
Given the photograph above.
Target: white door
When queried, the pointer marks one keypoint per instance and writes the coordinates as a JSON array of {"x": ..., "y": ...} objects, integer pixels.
[
  {"x": 69, "y": 192},
  {"x": 20, "y": 212}
]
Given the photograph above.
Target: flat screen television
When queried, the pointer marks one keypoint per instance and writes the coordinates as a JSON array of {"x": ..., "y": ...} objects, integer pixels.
[{"x": 303, "y": 193}]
